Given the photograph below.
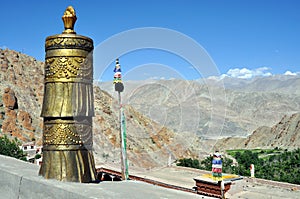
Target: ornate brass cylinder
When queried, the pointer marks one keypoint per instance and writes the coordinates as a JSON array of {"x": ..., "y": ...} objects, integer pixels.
[{"x": 68, "y": 106}]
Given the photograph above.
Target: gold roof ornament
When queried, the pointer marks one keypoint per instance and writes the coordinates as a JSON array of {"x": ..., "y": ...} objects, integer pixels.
[
  {"x": 68, "y": 105},
  {"x": 69, "y": 18}
]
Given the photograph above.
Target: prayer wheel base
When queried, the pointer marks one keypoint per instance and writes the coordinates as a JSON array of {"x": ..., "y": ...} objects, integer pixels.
[{"x": 69, "y": 166}]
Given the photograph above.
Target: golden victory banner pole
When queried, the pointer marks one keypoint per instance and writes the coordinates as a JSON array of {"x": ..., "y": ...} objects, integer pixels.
[{"x": 68, "y": 105}]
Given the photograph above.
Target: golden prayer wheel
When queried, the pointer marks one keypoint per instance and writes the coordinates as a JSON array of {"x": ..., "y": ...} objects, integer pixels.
[{"x": 68, "y": 106}]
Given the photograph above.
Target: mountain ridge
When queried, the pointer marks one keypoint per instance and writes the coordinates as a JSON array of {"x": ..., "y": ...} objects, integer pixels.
[{"x": 200, "y": 107}]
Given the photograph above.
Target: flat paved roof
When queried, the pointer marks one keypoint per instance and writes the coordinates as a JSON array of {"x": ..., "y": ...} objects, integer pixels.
[{"x": 241, "y": 188}]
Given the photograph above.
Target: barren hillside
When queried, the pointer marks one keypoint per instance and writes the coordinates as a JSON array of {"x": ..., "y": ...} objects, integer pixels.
[{"x": 285, "y": 134}]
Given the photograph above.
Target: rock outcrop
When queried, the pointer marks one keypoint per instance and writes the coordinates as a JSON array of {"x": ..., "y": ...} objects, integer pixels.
[
  {"x": 15, "y": 122},
  {"x": 9, "y": 99}
]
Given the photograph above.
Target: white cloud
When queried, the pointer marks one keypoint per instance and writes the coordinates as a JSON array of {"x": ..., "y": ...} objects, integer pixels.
[
  {"x": 246, "y": 73},
  {"x": 155, "y": 78},
  {"x": 291, "y": 73}
]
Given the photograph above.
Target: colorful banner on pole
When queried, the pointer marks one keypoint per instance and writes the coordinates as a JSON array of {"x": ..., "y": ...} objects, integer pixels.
[
  {"x": 217, "y": 167},
  {"x": 118, "y": 77}
]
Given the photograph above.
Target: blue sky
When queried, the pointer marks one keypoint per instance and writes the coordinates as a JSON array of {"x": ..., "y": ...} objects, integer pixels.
[{"x": 241, "y": 36}]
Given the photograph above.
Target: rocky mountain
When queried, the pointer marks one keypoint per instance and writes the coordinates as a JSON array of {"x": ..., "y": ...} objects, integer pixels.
[
  {"x": 214, "y": 108},
  {"x": 21, "y": 87},
  {"x": 285, "y": 134},
  {"x": 149, "y": 143}
]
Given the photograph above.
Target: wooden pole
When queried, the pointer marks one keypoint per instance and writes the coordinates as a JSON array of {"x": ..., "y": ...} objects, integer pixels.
[{"x": 123, "y": 152}]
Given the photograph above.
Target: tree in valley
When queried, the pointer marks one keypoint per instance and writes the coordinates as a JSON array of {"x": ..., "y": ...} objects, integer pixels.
[{"x": 11, "y": 148}]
